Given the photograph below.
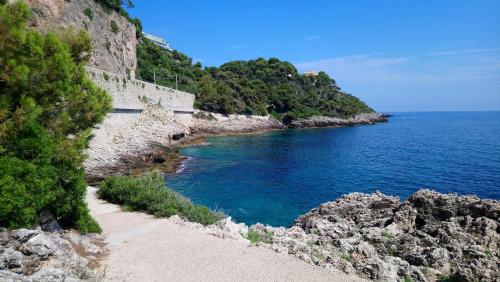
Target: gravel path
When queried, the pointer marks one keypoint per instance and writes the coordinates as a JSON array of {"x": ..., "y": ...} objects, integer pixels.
[{"x": 144, "y": 248}]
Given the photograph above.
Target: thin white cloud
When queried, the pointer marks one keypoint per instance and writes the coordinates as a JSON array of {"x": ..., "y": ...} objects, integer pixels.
[
  {"x": 466, "y": 51},
  {"x": 239, "y": 47},
  {"x": 417, "y": 82},
  {"x": 356, "y": 68},
  {"x": 313, "y": 37},
  {"x": 377, "y": 69}
]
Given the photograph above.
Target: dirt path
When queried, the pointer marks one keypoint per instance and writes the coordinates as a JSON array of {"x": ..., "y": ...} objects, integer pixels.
[{"x": 144, "y": 248}]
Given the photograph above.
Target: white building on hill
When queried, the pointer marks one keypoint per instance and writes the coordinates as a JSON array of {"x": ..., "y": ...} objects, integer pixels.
[{"x": 158, "y": 41}]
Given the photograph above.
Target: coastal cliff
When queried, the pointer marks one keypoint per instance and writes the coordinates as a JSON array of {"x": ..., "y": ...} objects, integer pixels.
[{"x": 113, "y": 36}]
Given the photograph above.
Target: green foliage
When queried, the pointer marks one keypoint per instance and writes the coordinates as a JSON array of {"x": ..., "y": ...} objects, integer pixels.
[
  {"x": 455, "y": 277},
  {"x": 255, "y": 236},
  {"x": 117, "y": 6},
  {"x": 408, "y": 279},
  {"x": 347, "y": 258},
  {"x": 47, "y": 108},
  {"x": 114, "y": 26},
  {"x": 257, "y": 87},
  {"x": 149, "y": 194},
  {"x": 387, "y": 235},
  {"x": 138, "y": 27},
  {"x": 166, "y": 65},
  {"x": 88, "y": 12}
]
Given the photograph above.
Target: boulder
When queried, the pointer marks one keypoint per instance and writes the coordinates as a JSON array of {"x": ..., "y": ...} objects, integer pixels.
[{"x": 425, "y": 238}]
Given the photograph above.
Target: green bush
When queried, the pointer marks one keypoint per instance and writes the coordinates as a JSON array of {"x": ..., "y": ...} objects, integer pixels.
[
  {"x": 149, "y": 194},
  {"x": 88, "y": 12},
  {"x": 47, "y": 109},
  {"x": 114, "y": 26},
  {"x": 255, "y": 236},
  {"x": 117, "y": 6}
]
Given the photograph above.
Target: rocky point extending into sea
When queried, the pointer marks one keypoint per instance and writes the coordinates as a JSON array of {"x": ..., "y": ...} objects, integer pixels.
[{"x": 430, "y": 236}]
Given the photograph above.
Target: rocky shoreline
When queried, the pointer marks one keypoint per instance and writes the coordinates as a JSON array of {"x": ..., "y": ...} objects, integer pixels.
[
  {"x": 124, "y": 144},
  {"x": 429, "y": 237},
  {"x": 322, "y": 121},
  {"x": 128, "y": 144}
]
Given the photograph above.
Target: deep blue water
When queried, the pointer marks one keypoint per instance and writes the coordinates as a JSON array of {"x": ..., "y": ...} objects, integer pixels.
[{"x": 274, "y": 177}]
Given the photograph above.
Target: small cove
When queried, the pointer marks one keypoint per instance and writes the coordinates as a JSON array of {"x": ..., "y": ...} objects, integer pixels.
[{"x": 274, "y": 177}]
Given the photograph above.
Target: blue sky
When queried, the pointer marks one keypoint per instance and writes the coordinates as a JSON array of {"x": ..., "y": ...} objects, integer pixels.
[{"x": 395, "y": 55}]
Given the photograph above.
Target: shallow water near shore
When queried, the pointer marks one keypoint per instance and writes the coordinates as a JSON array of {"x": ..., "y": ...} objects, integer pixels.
[{"x": 274, "y": 177}]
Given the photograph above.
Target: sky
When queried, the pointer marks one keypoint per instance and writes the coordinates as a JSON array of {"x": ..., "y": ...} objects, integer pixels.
[{"x": 395, "y": 55}]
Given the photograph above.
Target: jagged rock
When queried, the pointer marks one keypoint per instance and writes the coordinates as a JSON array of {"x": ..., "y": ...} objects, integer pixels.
[
  {"x": 323, "y": 121},
  {"x": 40, "y": 245},
  {"x": 35, "y": 255},
  {"x": 48, "y": 223},
  {"x": 427, "y": 237},
  {"x": 231, "y": 124},
  {"x": 123, "y": 143},
  {"x": 178, "y": 136},
  {"x": 227, "y": 228}
]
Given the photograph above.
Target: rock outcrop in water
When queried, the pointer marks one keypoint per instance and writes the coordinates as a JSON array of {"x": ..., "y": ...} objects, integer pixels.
[
  {"x": 322, "y": 121},
  {"x": 428, "y": 237},
  {"x": 207, "y": 123}
]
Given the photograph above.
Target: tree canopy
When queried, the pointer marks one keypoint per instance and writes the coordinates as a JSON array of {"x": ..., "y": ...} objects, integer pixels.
[
  {"x": 47, "y": 109},
  {"x": 259, "y": 87}
]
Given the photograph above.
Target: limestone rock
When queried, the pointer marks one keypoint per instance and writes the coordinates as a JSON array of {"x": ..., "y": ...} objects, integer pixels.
[
  {"x": 35, "y": 255},
  {"x": 425, "y": 238},
  {"x": 323, "y": 121},
  {"x": 206, "y": 123},
  {"x": 113, "y": 51}
]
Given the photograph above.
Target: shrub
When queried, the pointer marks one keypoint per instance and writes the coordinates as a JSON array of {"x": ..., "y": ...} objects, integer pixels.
[
  {"x": 117, "y": 5},
  {"x": 114, "y": 26},
  {"x": 256, "y": 236},
  {"x": 88, "y": 12},
  {"x": 149, "y": 194},
  {"x": 47, "y": 109}
]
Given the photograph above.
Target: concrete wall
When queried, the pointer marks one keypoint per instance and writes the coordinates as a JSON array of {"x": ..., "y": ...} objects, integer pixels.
[{"x": 131, "y": 95}]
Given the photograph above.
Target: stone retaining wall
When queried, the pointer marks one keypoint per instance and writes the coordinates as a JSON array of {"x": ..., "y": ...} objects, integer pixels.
[{"x": 133, "y": 94}]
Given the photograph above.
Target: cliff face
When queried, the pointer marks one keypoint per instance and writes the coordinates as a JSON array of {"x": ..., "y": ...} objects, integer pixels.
[{"x": 113, "y": 37}]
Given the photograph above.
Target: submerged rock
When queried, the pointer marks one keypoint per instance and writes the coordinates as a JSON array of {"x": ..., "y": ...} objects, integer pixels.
[{"x": 428, "y": 237}]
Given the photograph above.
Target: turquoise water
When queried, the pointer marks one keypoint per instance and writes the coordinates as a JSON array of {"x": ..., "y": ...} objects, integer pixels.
[{"x": 274, "y": 177}]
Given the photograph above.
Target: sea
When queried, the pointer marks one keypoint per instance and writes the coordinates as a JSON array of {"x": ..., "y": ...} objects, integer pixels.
[{"x": 274, "y": 177}]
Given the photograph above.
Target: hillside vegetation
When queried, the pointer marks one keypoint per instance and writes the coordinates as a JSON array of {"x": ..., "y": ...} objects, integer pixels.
[
  {"x": 48, "y": 107},
  {"x": 149, "y": 194},
  {"x": 257, "y": 87}
]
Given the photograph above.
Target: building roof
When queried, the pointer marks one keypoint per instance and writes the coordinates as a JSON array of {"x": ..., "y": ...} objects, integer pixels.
[{"x": 158, "y": 41}]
